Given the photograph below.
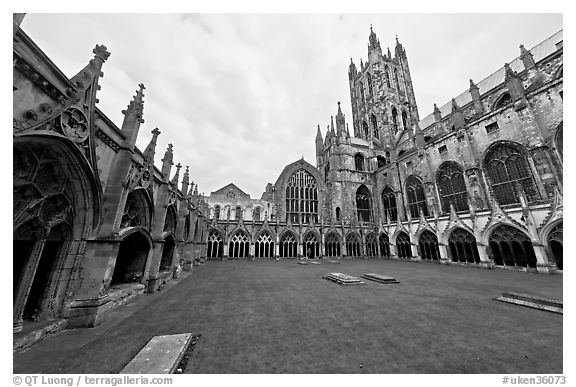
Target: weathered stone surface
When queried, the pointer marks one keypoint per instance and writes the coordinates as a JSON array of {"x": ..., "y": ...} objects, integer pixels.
[
  {"x": 343, "y": 279},
  {"x": 380, "y": 278},
  {"x": 160, "y": 356},
  {"x": 554, "y": 306}
]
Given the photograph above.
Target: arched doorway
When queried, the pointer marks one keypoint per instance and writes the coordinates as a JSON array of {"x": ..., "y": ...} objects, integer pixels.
[
  {"x": 462, "y": 247},
  {"x": 131, "y": 259},
  {"x": 288, "y": 246},
  {"x": 384, "y": 245},
  {"x": 403, "y": 247},
  {"x": 46, "y": 275},
  {"x": 332, "y": 245},
  {"x": 215, "y": 245},
  {"x": 239, "y": 246},
  {"x": 556, "y": 245},
  {"x": 428, "y": 244},
  {"x": 371, "y": 245},
  {"x": 511, "y": 247},
  {"x": 264, "y": 246},
  {"x": 311, "y": 245},
  {"x": 353, "y": 245}
]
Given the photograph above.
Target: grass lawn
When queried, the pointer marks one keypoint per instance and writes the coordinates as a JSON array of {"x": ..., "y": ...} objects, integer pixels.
[{"x": 281, "y": 317}]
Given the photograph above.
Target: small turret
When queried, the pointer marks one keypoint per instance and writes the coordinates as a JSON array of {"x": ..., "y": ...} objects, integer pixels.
[
  {"x": 167, "y": 162},
  {"x": 437, "y": 114},
  {"x": 185, "y": 181},
  {"x": 133, "y": 117},
  {"x": 457, "y": 116},
  {"x": 176, "y": 177},
  {"x": 475, "y": 93},
  {"x": 527, "y": 58},
  {"x": 352, "y": 70}
]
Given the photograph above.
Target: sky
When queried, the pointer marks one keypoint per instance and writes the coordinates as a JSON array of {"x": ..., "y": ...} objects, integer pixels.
[{"x": 240, "y": 96}]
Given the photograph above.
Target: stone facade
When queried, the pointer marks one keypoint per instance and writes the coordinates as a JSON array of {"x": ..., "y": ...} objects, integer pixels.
[
  {"x": 477, "y": 182},
  {"x": 95, "y": 222}
]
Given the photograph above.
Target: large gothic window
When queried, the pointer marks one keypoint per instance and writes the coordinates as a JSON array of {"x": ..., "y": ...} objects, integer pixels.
[
  {"x": 428, "y": 244},
  {"x": 374, "y": 122},
  {"x": 511, "y": 247},
  {"x": 363, "y": 204},
  {"x": 395, "y": 120},
  {"x": 462, "y": 247},
  {"x": 215, "y": 245},
  {"x": 416, "y": 197},
  {"x": 288, "y": 245},
  {"x": 332, "y": 245},
  {"x": 239, "y": 245},
  {"x": 507, "y": 167},
  {"x": 452, "y": 188},
  {"x": 302, "y": 198},
  {"x": 396, "y": 79},
  {"x": 353, "y": 245},
  {"x": 403, "y": 248},
  {"x": 389, "y": 204},
  {"x": 371, "y": 245},
  {"x": 264, "y": 246},
  {"x": 359, "y": 162}
]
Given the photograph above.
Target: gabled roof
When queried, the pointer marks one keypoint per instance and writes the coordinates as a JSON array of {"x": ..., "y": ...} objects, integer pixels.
[
  {"x": 230, "y": 188},
  {"x": 539, "y": 52}
]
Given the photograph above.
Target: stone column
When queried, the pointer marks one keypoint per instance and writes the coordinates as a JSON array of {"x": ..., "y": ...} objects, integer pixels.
[{"x": 485, "y": 260}]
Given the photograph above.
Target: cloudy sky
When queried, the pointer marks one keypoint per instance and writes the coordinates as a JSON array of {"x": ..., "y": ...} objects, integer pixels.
[{"x": 240, "y": 96}]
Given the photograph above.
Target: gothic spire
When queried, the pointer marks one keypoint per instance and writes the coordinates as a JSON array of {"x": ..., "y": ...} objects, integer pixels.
[
  {"x": 167, "y": 162},
  {"x": 177, "y": 175},
  {"x": 374, "y": 43},
  {"x": 185, "y": 181},
  {"x": 151, "y": 148}
]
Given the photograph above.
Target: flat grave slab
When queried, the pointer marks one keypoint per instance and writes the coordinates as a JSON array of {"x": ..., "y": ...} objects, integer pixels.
[
  {"x": 303, "y": 262},
  {"x": 343, "y": 279},
  {"x": 160, "y": 356},
  {"x": 554, "y": 306},
  {"x": 332, "y": 261},
  {"x": 380, "y": 278}
]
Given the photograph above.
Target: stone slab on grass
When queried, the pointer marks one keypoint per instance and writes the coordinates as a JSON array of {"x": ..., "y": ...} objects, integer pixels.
[
  {"x": 161, "y": 355},
  {"x": 343, "y": 279},
  {"x": 554, "y": 306},
  {"x": 380, "y": 278}
]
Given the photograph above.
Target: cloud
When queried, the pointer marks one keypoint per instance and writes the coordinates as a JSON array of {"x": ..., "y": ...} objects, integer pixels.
[{"x": 240, "y": 95}]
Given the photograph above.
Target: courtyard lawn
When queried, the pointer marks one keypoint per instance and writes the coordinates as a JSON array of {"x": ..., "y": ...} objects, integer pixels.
[{"x": 281, "y": 317}]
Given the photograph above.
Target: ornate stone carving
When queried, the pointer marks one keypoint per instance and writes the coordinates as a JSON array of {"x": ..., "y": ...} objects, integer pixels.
[{"x": 74, "y": 125}]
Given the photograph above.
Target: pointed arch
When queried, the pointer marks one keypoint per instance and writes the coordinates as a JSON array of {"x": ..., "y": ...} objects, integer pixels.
[
  {"x": 395, "y": 120},
  {"x": 389, "y": 204},
  {"x": 416, "y": 196},
  {"x": 239, "y": 245},
  {"x": 502, "y": 101},
  {"x": 138, "y": 209},
  {"x": 555, "y": 242},
  {"x": 374, "y": 122},
  {"x": 462, "y": 246},
  {"x": 288, "y": 246},
  {"x": 215, "y": 245},
  {"x": 353, "y": 247},
  {"x": 428, "y": 244},
  {"x": 311, "y": 245},
  {"x": 332, "y": 244},
  {"x": 506, "y": 164},
  {"x": 359, "y": 162},
  {"x": 452, "y": 187},
  {"x": 384, "y": 243},
  {"x": 364, "y": 204},
  {"x": 171, "y": 219},
  {"x": 302, "y": 198},
  {"x": 264, "y": 245},
  {"x": 371, "y": 245},
  {"x": 403, "y": 245},
  {"x": 511, "y": 247}
]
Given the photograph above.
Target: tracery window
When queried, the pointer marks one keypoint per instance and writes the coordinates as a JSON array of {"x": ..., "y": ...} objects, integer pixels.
[
  {"x": 403, "y": 248},
  {"x": 452, "y": 187},
  {"x": 353, "y": 245},
  {"x": 302, "y": 198},
  {"x": 217, "y": 212},
  {"x": 396, "y": 79},
  {"x": 416, "y": 197},
  {"x": 462, "y": 247},
  {"x": 332, "y": 245},
  {"x": 384, "y": 245},
  {"x": 264, "y": 246},
  {"x": 238, "y": 213},
  {"x": 389, "y": 204},
  {"x": 369, "y": 80},
  {"x": 511, "y": 247},
  {"x": 429, "y": 246},
  {"x": 288, "y": 246},
  {"x": 215, "y": 245},
  {"x": 363, "y": 205},
  {"x": 504, "y": 100},
  {"x": 371, "y": 245},
  {"x": 359, "y": 162},
  {"x": 311, "y": 246},
  {"x": 506, "y": 167},
  {"x": 257, "y": 212},
  {"x": 239, "y": 245}
]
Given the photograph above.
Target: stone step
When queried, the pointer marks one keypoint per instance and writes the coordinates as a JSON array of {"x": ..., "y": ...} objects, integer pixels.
[
  {"x": 343, "y": 279},
  {"x": 536, "y": 302},
  {"x": 380, "y": 278},
  {"x": 161, "y": 355}
]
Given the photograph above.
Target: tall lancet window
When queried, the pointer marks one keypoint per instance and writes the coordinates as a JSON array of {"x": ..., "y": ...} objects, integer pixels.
[{"x": 302, "y": 198}]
